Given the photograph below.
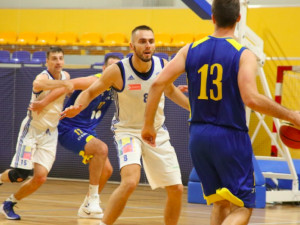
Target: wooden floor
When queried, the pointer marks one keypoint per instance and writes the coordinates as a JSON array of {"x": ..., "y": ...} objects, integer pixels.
[{"x": 57, "y": 203}]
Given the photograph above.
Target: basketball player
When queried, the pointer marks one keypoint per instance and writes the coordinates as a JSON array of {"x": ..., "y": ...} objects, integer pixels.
[
  {"x": 79, "y": 136},
  {"x": 131, "y": 79},
  {"x": 36, "y": 146},
  {"x": 221, "y": 79}
]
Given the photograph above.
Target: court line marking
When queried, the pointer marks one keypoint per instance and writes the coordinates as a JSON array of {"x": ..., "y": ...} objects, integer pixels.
[{"x": 282, "y": 221}]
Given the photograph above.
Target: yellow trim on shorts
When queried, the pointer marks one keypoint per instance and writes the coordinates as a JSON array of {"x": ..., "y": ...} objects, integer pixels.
[
  {"x": 90, "y": 137},
  {"x": 223, "y": 194},
  {"x": 86, "y": 158}
]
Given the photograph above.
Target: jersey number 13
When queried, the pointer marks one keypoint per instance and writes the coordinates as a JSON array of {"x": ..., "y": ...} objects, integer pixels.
[{"x": 203, "y": 71}]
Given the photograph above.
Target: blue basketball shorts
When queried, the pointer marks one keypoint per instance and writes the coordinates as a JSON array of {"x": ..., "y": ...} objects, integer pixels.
[
  {"x": 222, "y": 158},
  {"x": 74, "y": 138}
]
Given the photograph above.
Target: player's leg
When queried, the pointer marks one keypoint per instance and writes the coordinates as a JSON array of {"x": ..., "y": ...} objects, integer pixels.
[
  {"x": 94, "y": 152},
  {"x": 106, "y": 174},
  {"x": 39, "y": 177},
  {"x": 220, "y": 211},
  {"x": 22, "y": 166},
  {"x": 173, "y": 204},
  {"x": 129, "y": 149},
  {"x": 238, "y": 216},
  {"x": 162, "y": 170},
  {"x": 98, "y": 150},
  {"x": 13, "y": 175},
  {"x": 130, "y": 177}
]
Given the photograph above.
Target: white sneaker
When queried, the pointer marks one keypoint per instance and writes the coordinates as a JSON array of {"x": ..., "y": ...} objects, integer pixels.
[
  {"x": 91, "y": 208},
  {"x": 83, "y": 212}
]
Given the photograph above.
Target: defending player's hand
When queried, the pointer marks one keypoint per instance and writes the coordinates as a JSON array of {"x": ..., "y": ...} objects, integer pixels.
[
  {"x": 36, "y": 106},
  {"x": 71, "y": 111},
  {"x": 149, "y": 135},
  {"x": 183, "y": 88}
]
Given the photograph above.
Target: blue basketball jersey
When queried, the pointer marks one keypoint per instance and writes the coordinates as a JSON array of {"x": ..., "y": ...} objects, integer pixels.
[
  {"x": 212, "y": 66},
  {"x": 91, "y": 116}
]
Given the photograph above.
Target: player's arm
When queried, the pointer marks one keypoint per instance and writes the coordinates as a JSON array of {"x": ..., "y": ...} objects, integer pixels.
[
  {"x": 166, "y": 77},
  {"x": 175, "y": 94},
  {"x": 38, "y": 106},
  {"x": 42, "y": 83},
  {"x": 253, "y": 99},
  {"x": 111, "y": 78}
]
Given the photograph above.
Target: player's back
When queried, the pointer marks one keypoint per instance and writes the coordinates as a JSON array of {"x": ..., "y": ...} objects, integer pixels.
[{"x": 212, "y": 66}]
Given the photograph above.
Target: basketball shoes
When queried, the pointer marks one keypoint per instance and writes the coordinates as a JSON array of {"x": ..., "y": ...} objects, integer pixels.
[
  {"x": 90, "y": 208},
  {"x": 7, "y": 210}
]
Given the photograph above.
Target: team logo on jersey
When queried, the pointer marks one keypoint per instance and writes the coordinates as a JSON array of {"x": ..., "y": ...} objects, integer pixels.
[
  {"x": 130, "y": 77},
  {"x": 132, "y": 87}
]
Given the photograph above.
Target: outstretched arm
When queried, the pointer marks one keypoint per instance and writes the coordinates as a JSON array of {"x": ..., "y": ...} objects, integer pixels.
[
  {"x": 166, "y": 77},
  {"x": 110, "y": 78},
  {"x": 176, "y": 95},
  {"x": 253, "y": 99},
  {"x": 42, "y": 83},
  {"x": 38, "y": 106}
]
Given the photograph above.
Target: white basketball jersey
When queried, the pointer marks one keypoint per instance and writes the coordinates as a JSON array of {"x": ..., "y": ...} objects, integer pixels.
[
  {"x": 49, "y": 117},
  {"x": 131, "y": 100}
]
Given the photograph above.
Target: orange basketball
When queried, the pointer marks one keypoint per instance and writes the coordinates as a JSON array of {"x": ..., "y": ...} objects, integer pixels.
[{"x": 290, "y": 136}]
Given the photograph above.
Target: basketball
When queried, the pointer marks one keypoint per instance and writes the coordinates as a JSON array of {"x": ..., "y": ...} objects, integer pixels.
[{"x": 290, "y": 135}]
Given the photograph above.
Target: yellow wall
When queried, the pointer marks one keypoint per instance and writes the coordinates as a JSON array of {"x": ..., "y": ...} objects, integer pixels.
[
  {"x": 278, "y": 27},
  {"x": 103, "y": 21}
]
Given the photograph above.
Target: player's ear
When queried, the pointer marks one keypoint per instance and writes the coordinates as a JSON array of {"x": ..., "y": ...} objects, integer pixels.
[
  {"x": 239, "y": 18},
  {"x": 213, "y": 18}
]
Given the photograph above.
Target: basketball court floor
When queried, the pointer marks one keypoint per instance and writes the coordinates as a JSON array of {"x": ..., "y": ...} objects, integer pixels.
[{"x": 57, "y": 202}]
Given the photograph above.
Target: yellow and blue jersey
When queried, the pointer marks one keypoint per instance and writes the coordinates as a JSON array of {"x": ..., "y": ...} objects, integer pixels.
[
  {"x": 212, "y": 66},
  {"x": 91, "y": 116}
]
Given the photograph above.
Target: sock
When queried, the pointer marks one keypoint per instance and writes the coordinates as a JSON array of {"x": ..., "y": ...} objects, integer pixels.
[
  {"x": 93, "y": 189},
  {"x": 101, "y": 223},
  {"x": 12, "y": 198}
]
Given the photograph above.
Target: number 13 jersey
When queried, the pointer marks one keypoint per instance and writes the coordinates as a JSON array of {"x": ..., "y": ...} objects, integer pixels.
[{"x": 212, "y": 67}]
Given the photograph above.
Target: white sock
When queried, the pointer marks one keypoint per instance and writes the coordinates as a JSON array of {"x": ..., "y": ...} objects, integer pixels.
[
  {"x": 93, "y": 189},
  {"x": 12, "y": 198},
  {"x": 101, "y": 223}
]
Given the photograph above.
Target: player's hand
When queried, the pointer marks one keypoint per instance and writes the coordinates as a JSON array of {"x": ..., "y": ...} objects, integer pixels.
[
  {"x": 71, "y": 111},
  {"x": 183, "y": 88},
  {"x": 149, "y": 135},
  {"x": 36, "y": 106},
  {"x": 296, "y": 121}
]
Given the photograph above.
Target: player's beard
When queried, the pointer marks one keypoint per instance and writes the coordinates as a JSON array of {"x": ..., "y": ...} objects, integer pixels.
[{"x": 141, "y": 57}]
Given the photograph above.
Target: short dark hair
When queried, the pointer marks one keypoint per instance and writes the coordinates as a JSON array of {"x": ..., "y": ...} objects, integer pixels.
[
  {"x": 141, "y": 27},
  {"x": 110, "y": 57},
  {"x": 226, "y": 12},
  {"x": 54, "y": 49}
]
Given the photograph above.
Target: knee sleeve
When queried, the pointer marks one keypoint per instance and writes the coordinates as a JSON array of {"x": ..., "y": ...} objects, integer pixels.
[{"x": 18, "y": 175}]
